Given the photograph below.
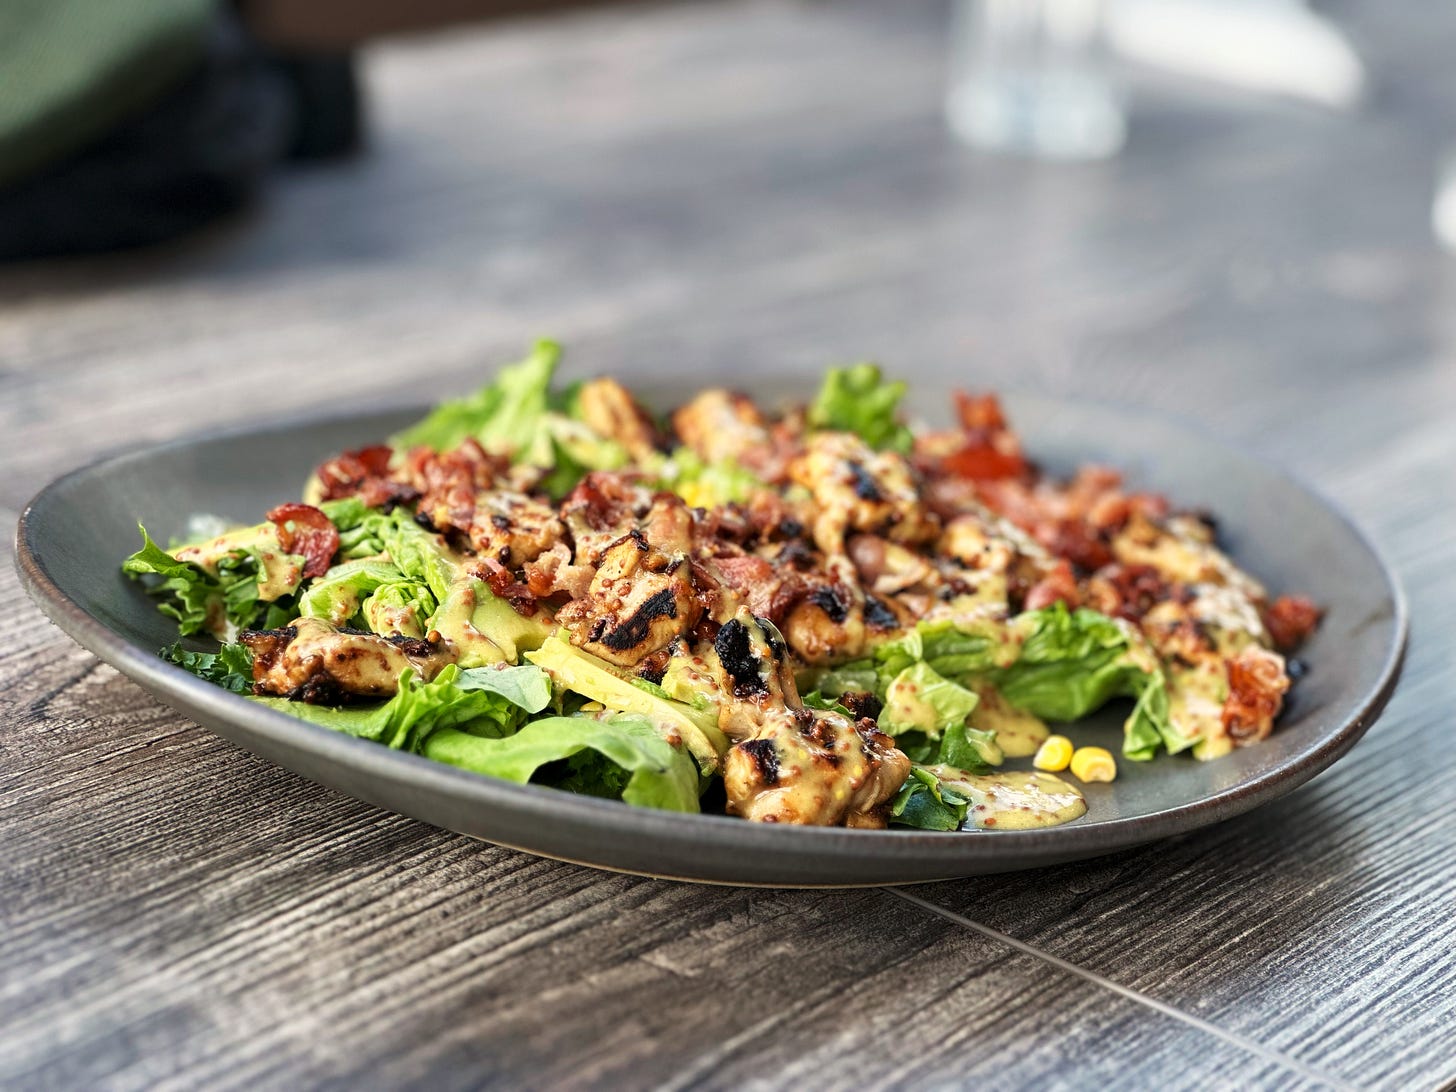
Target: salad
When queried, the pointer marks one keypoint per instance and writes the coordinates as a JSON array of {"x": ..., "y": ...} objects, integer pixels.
[{"x": 822, "y": 615}]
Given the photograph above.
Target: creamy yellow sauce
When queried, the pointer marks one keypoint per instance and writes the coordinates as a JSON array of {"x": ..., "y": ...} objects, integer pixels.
[
  {"x": 1013, "y": 799},
  {"x": 1018, "y": 734}
]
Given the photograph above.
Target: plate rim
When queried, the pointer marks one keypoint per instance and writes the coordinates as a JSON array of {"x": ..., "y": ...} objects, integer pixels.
[{"x": 1031, "y": 848}]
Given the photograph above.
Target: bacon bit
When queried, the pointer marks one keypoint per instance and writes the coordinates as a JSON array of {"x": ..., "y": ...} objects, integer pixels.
[
  {"x": 1059, "y": 585},
  {"x": 305, "y": 530},
  {"x": 1256, "y": 692},
  {"x": 504, "y": 585},
  {"x": 1290, "y": 619},
  {"x": 602, "y": 498},
  {"x": 983, "y": 461},
  {"x": 343, "y": 475},
  {"x": 980, "y": 412},
  {"x": 1127, "y": 591},
  {"x": 447, "y": 482},
  {"x": 1153, "y": 506},
  {"x": 1075, "y": 541}
]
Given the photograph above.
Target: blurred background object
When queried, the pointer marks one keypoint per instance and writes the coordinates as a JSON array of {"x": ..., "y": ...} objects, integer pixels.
[
  {"x": 1276, "y": 47},
  {"x": 1035, "y": 77},
  {"x": 1030, "y": 77}
]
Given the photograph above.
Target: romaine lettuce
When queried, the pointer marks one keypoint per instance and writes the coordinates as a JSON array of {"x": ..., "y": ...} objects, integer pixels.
[
  {"x": 857, "y": 399},
  {"x": 659, "y": 774},
  {"x": 1073, "y": 662},
  {"x": 203, "y": 602},
  {"x": 484, "y": 701},
  {"x": 230, "y": 667},
  {"x": 502, "y": 416}
]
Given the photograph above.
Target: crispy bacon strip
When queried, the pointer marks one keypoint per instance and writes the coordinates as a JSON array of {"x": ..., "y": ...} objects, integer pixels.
[
  {"x": 1290, "y": 619},
  {"x": 1257, "y": 683},
  {"x": 305, "y": 530}
]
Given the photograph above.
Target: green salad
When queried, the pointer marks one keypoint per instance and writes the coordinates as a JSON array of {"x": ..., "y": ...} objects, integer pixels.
[{"x": 816, "y": 614}]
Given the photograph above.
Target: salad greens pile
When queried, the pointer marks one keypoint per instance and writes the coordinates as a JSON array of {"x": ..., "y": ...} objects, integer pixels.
[{"x": 522, "y": 704}]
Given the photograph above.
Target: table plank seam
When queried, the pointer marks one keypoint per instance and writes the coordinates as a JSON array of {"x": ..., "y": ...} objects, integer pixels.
[{"x": 1233, "y": 1038}]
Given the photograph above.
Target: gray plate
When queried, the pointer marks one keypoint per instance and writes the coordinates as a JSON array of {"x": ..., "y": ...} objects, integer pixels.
[{"x": 73, "y": 536}]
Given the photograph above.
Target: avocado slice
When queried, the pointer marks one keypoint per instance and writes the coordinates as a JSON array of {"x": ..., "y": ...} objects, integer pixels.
[
  {"x": 594, "y": 678},
  {"x": 484, "y": 628}
]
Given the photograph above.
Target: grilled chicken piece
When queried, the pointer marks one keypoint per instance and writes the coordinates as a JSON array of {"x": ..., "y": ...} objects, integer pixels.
[
  {"x": 888, "y": 567},
  {"x": 814, "y": 767},
  {"x": 858, "y": 489},
  {"x": 720, "y": 424},
  {"x": 1181, "y": 551},
  {"x": 602, "y": 508},
  {"x": 513, "y": 528},
  {"x": 643, "y": 595},
  {"x": 750, "y": 667},
  {"x": 610, "y": 411},
  {"x": 313, "y": 661}
]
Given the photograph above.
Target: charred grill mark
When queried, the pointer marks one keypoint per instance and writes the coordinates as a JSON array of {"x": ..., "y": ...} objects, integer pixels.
[
  {"x": 833, "y": 600},
  {"x": 776, "y": 646},
  {"x": 411, "y": 646},
  {"x": 762, "y": 752},
  {"x": 502, "y": 523},
  {"x": 638, "y": 537},
  {"x": 315, "y": 690},
  {"x": 654, "y": 667},
  {"x": 634, "y": 630},
  {"x": 878, "y": 615},
  {"x": 266, "y": 645},
  {"x": 735, "y": 651},
  {"x": 862, "y": 704},
  {"x": 796, "y": 555},
  {"x": 865, "y": 486}
]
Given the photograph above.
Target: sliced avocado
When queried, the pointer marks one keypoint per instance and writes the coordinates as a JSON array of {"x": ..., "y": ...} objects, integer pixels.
[
  {"x": 484, "y": 628},
  {"x": 594, "y": 678},
  {"x": 690, "y": 679}
]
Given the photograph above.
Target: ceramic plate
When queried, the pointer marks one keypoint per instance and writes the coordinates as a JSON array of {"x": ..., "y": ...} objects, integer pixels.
[{"x": 75, "y": 533}]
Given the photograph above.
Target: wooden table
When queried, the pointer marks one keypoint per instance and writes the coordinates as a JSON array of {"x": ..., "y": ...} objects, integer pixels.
[{"x": 738, "y": 190}]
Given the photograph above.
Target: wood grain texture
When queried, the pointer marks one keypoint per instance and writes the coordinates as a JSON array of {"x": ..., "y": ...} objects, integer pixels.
[{"x": 745, "y": 189}]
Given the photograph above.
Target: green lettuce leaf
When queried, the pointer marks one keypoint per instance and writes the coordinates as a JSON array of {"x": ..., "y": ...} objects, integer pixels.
[
  {"x": 857, "y": 399},
  {"x": 952, "y": 652},
  {"x": 925, "y": 802},
  {"x": 502, "y": 416},
  {"x": 659, "y": 775},
  {"x": 189, "y": 595},
  {"x": 420, "y": 555},
  {"x": 477, "y": 705},
  {"x": 855, "y": 677},
  {"x": 230, "y": 667},
  {"x": 920, "y": 699},
  {"x": 359, "y": 527},
  {"x": 197, "y": 600},
  {"x": 403, "y": 606},
  {"x": 338, "y": 596},
  {"x": 1073, "y": 662},
  {"x": 707, "y": 485}
]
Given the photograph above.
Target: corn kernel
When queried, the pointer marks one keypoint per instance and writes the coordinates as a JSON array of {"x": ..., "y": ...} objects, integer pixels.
[
  {"x": 1093, "y": 764},
  {"x": 1054, "y": 754}
]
